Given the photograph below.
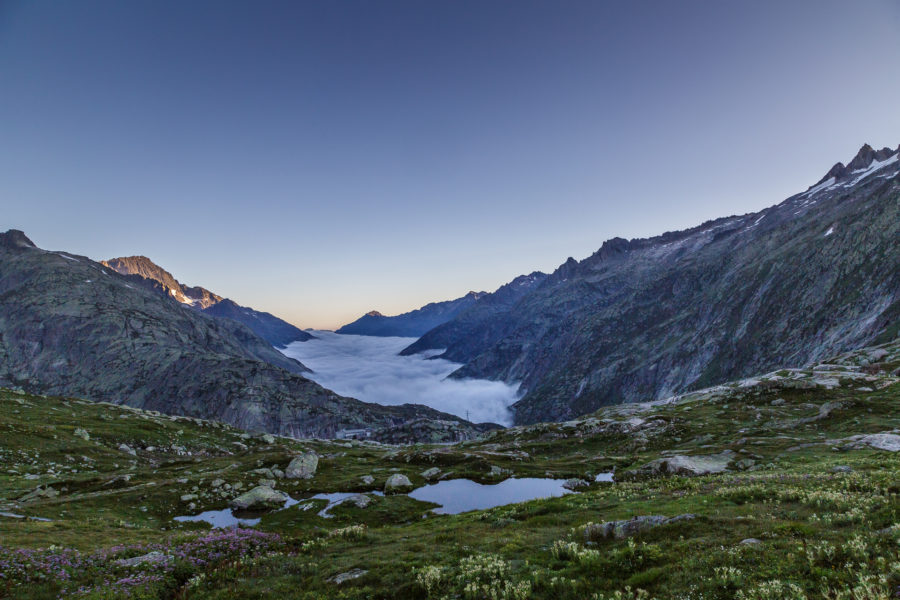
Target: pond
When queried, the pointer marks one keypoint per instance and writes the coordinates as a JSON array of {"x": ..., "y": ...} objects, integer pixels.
[
  {"x": 227, "y": 517},
  {"x": 462, "y": 495},
  {"x": 453, "y": 496}
]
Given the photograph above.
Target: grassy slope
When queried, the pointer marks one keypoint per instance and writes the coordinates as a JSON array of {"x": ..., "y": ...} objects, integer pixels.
[{"x": 812, "y": 522}]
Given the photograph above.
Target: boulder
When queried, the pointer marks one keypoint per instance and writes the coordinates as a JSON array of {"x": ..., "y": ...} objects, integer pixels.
[
  {"x": 367, "y": 479},
  {"x": 574, "y": 484},
  {"x": 700, "y": 464},
  {"x": 623, "y": 529},
  {"x": 260, "y": 498},
  {"x": 397, "y": 484},
  {"x": 303, "y": 466},
  {"x": 880, "y": 441}
]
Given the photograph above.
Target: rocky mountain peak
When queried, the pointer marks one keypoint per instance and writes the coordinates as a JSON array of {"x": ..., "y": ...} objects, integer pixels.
[
  {"x": 863, "y": 160},
  {"x": 15, "y": 239},
  {"x": 374, "y": 313}
]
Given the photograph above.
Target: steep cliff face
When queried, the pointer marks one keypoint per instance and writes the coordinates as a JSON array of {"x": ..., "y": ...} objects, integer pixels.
[
  {"x": 267, "y": 326},
  {"x": 413, "y": 323},
  {"x": 642, "y": 319},
  {"x": 477, "y": 327},
  {"x": 71, "y": 326}
]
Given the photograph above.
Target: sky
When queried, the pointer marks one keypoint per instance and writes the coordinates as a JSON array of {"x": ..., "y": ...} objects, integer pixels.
[{"x": 319, "y": 160}]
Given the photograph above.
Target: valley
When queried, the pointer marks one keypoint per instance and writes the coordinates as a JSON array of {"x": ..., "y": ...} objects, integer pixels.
[{"x": 768, "y": 483}]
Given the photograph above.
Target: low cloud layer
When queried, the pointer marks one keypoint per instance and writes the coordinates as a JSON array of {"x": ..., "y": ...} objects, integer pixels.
[{"x": 368, "y": 368}]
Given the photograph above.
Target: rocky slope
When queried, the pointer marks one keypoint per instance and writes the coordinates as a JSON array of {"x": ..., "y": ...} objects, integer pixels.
[
  {"x": 413, "y": 323},
  {"x": 71, "y": 326},
  {"x": 267, "y": 326},
  {"x": 473, "y": 324},
  {"x": 646, "y": 318}
]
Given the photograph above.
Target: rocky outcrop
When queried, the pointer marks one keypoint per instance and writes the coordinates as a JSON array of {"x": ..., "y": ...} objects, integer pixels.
[
  {"x": 889, "y": 442},
  {"x": 630, "y": 527},
  {"x": 267, "y": 326},
  {"x": 689, "y": 466}
]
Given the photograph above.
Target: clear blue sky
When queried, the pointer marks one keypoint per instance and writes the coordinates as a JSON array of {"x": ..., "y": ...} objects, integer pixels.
[{"x": 319, "y": 160}]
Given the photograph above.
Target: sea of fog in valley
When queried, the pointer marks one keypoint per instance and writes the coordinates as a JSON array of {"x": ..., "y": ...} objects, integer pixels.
[{"x": 370, "y": 369}]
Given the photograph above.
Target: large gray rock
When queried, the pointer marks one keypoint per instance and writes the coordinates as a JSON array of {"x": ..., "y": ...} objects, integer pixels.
[
  {"x": 701, "y": 464},
  {"x": 879, "y": 441},
  {"x": 303, "y": 466},
  {"x": 260, "y": 498},
  {"x": 629, "y": 527},
  {"x": 397, "y": 484}
]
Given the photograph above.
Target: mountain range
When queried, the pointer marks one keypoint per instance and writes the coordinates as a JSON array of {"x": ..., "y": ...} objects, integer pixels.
[
  {"x": 643, "y": 319},
  {"x": 413, "y": 323},
  {"x": 267, "y": 326},
  {"x": 72, "y": 326}
]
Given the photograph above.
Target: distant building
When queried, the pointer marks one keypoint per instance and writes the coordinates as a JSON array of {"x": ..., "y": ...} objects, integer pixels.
[{"x": 353, "y": 434}]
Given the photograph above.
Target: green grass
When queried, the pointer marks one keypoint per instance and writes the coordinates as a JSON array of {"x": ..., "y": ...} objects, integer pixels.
[{"x": 811, "y": 522}]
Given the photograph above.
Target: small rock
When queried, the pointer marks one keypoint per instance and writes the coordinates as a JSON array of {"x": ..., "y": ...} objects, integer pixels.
[
  {"x": 397, "y": 483},
  {"x": 777, "y": 402},
  {"x": 217, "y": 483},
  {"x": 347, "y": 576},
  {"x": 83, "y": 434},
  {"x": 750, "y": 542},
  {"x": 277, "y": 473},
  {"x": 267, "y": 482},
  {"x": 127, "y": 449},
  {"x": 367, "y": 479},
  {"x": 431, "y": 474},
  {"x": 841, "y": 469},
  {"x": 303, "y": 466},
  {"x": 498, "y": 472},
  {"x": 188, "y": 497},
  {"x": 268, "y": 438}
]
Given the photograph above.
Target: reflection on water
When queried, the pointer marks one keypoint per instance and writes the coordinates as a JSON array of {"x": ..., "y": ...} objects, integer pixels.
[{"x": 462, "y": 495}]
